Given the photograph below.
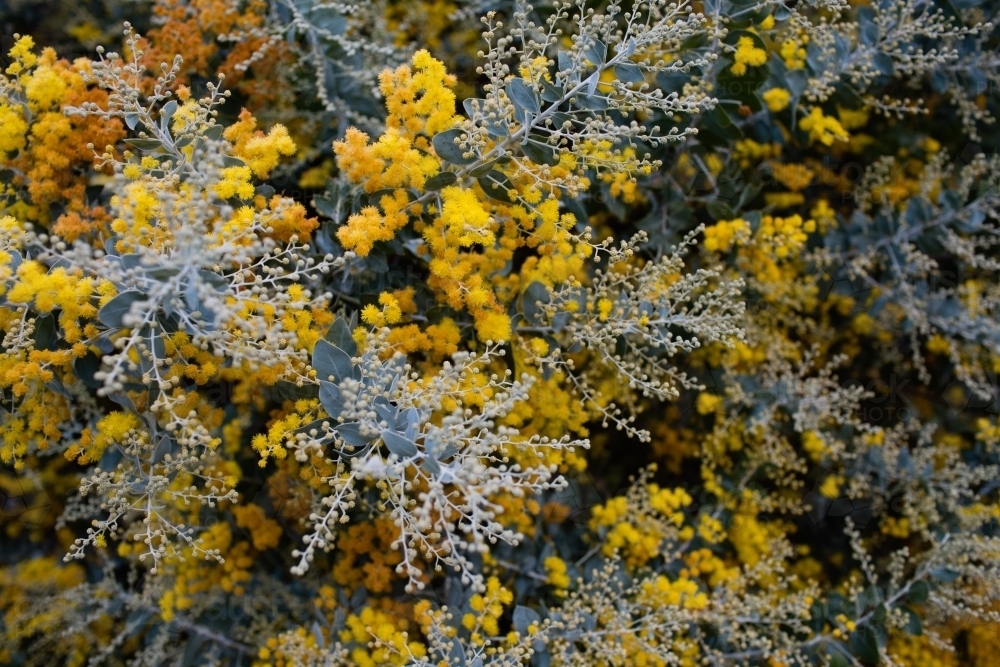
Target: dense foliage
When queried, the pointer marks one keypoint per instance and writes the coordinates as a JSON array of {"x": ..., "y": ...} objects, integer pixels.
[{"x": 472, "y": 332}]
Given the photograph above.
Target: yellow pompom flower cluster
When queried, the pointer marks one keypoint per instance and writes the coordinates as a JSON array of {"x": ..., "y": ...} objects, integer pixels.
[
  {"x": 555, "y": 569},
  {"x": 704, "y": 563},
  {"x": 604, "y": 308},
  {"x": 235, "y": 183},
  {"x": 783, "y": 200},
  {"x": 908, "y": 650},
  {"x": 683, "y": 592},
  {"x": 711, "y": 529},
  {"x": 195, "y": 575},
  {"x": 419, "y": 102},
  {"x": 260, "y": 151},
  {"x": 55, "y": 289},
  {"x": 750, "y": 536},
  {"x": 708, "y": 403},
  {"x": 813, "y": 444},
  {"x": 366, "y": 557},
  {"x": 13, "y": 129},
  {"x": 669, "y": 502},
  {"x": 21, "y": 55},
  {"x": 138, "y": 226},
  {"x": 793, "y": 176},
  {"x": 390, "y": 313},
  {"x": 638, "y": 545},
  {"x": 44, "y": 147},
  {"x": 487, "y": 608},
  {"x": 263, "y": 153},
  {"x": 45, "y": 88},
  {"x": 825, "y": 129},
  {"x": 379, "y": 639},
  {"x": 369, "y": 225},
  {"x": 391, "y": 162},
  {"x": 793, "y": 53},
  {"x": 721, "y": 236},
  {"x": 747, "y": 54},
  {"x": 640, "y": 522},
  {"x": 776, "y": 99},
  {"x": 23, "y": 584},
  {"x": 830, "y": 487},
  {"x": 494, "y": 326},
  {"x": 463, "y": 221},
  {"x": 264, "y": 532},
  {"x": 111, "y": 429},
  {"x": 747, "y": 152},
  {"x": 783, "y": 236}
]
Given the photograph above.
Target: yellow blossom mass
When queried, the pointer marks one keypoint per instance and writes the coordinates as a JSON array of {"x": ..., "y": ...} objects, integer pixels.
[{"x": 424, "y": 333}]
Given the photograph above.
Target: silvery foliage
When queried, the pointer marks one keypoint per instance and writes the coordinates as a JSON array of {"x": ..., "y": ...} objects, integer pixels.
[
  {"x": 564, "y": 105},
  {"x": 204, "y": 278},
  {"x": 200, "y": 283},
  {"x": 343, "y": 46},
  {"x": 134, "y": 490},
  {"x": 436, "y": 471},
  {"x": 926, "y": 263},
  {"x": 881, "y": 44},
  {"x": 657, "y": 312}
]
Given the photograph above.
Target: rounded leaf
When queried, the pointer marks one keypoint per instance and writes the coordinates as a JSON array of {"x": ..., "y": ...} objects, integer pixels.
[
  {"x": 629, "y": 73},
  {"x": 447, "y": 149},
  {"x": 540, "y": 153},
  {"x": 329, "y": 360},
  {"x": 329, "y": 396},
  {"x": 113, "y": 311},
  {"x": 399, "y": 444},
  {"x": 496, "y": 185},
  {"x": 522, "y": 95},
  {"x": 438, "y": 181}
]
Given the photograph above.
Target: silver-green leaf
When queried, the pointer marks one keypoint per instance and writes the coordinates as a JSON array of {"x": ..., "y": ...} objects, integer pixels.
[{"x": 399, "y": 444}]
